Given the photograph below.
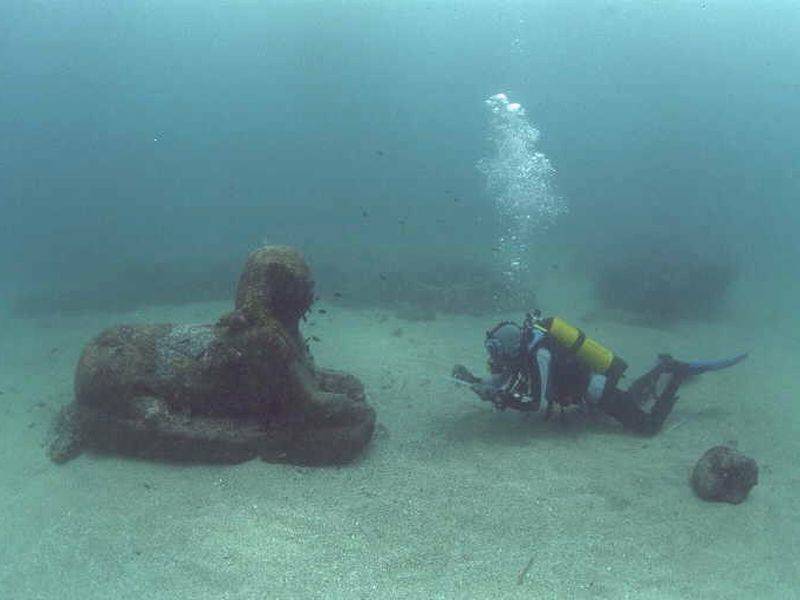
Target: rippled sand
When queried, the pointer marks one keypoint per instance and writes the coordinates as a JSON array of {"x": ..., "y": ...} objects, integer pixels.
[{"x": 452, "y": 500}]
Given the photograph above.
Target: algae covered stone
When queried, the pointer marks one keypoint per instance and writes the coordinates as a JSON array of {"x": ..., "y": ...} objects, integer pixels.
[
  {"x": 724, "y": 475},
  {"x": 243, "y": 387}
]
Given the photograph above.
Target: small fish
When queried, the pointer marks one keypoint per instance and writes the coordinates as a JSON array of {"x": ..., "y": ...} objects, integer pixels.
[
  {"x": 314, "y": 338},
  {"x": 448, "y": 191},
  {"x": 382, "y": 276},
  {"x": 401, "y": 221},
  {"x": 337, "y": 294},
  {"x": 364, "y": 212},
  {"x": 322, "y": 311},
  {"x": 555, "y": 267},
  {"x": 456, "y": 199},
  {"x": 496, "y": 249},
  {"x": 380, "y": 152}
]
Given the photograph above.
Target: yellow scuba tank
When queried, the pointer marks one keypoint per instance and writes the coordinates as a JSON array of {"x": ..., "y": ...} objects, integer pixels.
[{"x": 591, "y": 353}]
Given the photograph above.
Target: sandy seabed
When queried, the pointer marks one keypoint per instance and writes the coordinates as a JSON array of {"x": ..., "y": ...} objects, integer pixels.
[{"x": 452, "y": 500}]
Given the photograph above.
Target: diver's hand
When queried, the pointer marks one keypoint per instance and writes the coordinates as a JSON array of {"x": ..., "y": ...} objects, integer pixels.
[
  {"x": 462, "y": 373},
  {"x": 489, "y": 393},
  {"x": 484, "y": 392}
]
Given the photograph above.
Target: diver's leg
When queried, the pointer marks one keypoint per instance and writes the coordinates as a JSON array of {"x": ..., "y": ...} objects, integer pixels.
[
  {"x": 624, "y": 407},
  {"x": 644, "y": 388}
]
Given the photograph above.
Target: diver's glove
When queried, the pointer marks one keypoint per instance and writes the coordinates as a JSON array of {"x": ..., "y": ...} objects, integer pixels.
[
  {"x": 462, "y": 373},
  {"x": 499, "y": 396},
  {"x": 488, "y": 393},
  {"x": 488, "y": 390}
]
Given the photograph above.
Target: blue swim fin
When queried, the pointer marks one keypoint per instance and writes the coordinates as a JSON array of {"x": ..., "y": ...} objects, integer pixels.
[{"x": 696, "y": 367}]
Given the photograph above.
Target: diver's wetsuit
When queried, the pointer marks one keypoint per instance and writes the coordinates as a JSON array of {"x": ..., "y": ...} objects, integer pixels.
[
  {"x": 559, "y": 378},
  {"x": 625, "y": 405},
  {"x": 531, "y": 370},
  {"x": 624, "y": 409}
]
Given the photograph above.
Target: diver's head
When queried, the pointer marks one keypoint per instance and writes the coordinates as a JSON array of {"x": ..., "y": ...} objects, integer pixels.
[{"x": 504, "y": 345}]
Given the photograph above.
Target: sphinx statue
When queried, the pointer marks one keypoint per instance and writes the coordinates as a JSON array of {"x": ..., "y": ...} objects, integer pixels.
[{"x": 243, "y": 387}]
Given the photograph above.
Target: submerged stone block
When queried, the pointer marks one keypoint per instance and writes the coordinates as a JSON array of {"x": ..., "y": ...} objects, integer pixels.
[{"x": 241, "y": 388}]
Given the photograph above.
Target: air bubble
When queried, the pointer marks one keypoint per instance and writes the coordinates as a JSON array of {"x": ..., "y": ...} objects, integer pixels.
[{"x": 519, "y": 178}]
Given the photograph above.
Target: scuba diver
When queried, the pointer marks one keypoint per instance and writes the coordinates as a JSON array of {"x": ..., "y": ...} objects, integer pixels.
[{"x": 545, "y": 363}]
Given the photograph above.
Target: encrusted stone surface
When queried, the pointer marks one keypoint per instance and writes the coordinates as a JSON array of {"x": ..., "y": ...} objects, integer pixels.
[
  {"x": 244, "y": 387},
  {"x": 724, "y": 475}
]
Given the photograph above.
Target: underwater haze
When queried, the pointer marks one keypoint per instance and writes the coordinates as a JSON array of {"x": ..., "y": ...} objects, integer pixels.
[
  {"x": 631, "y": 165},
  {"x": 189, "y": 131}
]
